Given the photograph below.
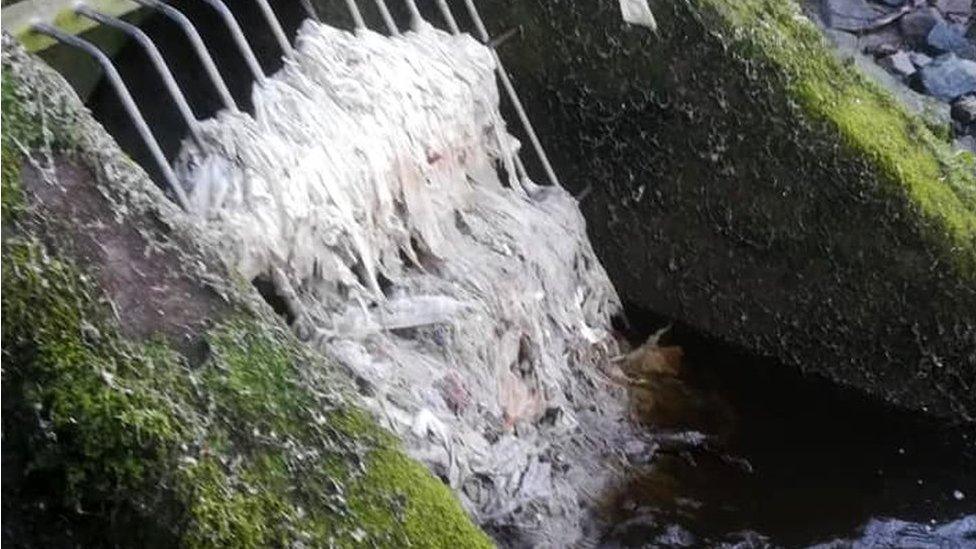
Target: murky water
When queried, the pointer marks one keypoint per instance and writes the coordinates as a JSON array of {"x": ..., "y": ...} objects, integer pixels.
[{"x": 751, "y": 453}]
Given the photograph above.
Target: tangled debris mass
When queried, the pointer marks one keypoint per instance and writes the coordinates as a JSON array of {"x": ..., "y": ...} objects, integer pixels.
[{"x": 369, "y": 188}]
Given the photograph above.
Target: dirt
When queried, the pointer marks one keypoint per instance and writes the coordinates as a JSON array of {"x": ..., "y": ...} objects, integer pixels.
[{"x": 126, "y": 262}]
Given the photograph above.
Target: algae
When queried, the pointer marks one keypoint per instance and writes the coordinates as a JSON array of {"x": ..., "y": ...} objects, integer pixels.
[{"x": 906, "y": 153}]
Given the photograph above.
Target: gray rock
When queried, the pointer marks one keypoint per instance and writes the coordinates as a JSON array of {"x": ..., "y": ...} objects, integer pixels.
[
  {"x": 841, "y": 40},
  {"x": 964, "y": 109},
  {"x": 850, "y": 15},
  {"x": 945, "y": 37},
  {"x": 959, "y": 10},
  {"x": 881, "y": 50},
  {"x": 965, "y": 143},
  {"x": 884, "y": 41},
  {"x": 919, "y": 59},
  {"x": 915, "y": 26},
  {"x": 893, "y": 3},
  {"x": 933, "y": 111},
  {"x": 898, "y": 63},
  {"x": 948, "y": 77}
]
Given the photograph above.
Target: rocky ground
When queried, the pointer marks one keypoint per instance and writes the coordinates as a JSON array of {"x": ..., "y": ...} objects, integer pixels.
[{"x": 927, "y": 45}]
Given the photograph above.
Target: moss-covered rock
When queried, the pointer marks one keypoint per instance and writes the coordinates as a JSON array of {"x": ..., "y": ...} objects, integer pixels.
[
  {"x": 150, "y": 398},
  {"x": 746, "y": 181}
]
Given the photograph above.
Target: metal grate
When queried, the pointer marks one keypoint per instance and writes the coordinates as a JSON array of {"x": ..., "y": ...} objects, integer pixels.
[{"x": 109, "y": 17}]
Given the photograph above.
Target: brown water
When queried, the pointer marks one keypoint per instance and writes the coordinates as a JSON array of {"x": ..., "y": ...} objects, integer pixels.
[{"x": 752, "y": 452}]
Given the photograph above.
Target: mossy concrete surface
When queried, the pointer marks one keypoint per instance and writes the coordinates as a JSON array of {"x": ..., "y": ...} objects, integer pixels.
[
  {"x": 745, "y": 181},
  {"x": 150, "y": 398}
]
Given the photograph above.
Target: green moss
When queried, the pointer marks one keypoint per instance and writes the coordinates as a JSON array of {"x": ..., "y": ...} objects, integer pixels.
[
  {"x": 389, "y": 472},
  {"x": 17, "y": 132},
  {"x": 253, "y": 448},
  {"x": 119, "y": 441},
  {"x": 907, "y": 155}
]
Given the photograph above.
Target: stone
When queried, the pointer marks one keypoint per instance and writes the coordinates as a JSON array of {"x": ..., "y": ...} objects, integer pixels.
[
  {"x": 850, "y": 15},
  {"x": 919, "y": 59},
  {"x": 893, "y": 3},
  {"x": 965, "y": 143},
  {"x": 915, "y": 26},
  {"x": 959, "y": 10},
  {"x": 898, "y": 63},
  {"x": 842, "y": 40},
  {"x": 964, "y": 109},
  {"x": 945, "y": 37},
  {"x": 884, "y": 41},
  {"x": 880, "y": 51},
  {"x": 948, "y": 77}
]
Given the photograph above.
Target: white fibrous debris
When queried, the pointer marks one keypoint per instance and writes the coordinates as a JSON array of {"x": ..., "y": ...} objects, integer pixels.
[{"x": 369, "y": 188}]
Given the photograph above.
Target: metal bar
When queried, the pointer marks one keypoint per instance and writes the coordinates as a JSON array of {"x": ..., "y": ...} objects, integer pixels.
[
  {"x": 307, "y": 5},
  {"x": 448, "y": 17},
  {"x": 201, "y": 49},
  {"x": 510, "y": 90},
  {"x": 127, "y": 102},
  {"x": 504, "y": 37},
  {"x": 415, "y": 18},
  {"x": 239, "y": 38},
  {"x": 357, "y": 16},
  {"x": 276, "y": 29},
  {"x": 387, "y": 18},
  {"x": 157, "y": 60},
  {"x": 510, "y": 167},
  {"x": 520, "y": 169}
]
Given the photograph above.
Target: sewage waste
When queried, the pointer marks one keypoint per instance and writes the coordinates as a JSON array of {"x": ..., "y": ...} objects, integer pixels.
[{"x": 369, "y": 194}]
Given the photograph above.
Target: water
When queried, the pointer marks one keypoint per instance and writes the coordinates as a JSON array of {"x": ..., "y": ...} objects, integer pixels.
[{"x": 787, "y": 460}]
